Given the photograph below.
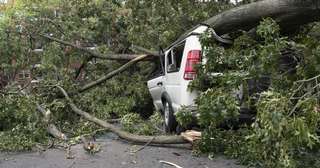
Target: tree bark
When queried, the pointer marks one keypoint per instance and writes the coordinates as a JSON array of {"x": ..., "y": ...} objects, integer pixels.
[
  {"x": 288, "y": 13},
  {"x": 122, "y": 134}
]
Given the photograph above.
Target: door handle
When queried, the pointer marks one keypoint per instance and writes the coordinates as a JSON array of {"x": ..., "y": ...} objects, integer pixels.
[{"x": 159, "y": 83}]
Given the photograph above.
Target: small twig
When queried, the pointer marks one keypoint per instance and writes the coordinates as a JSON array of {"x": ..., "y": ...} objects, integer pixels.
[
  {"x": 308, "y": 80},
  {"x": 295, "y": 91},
  {"x": 148, "y": 143},
  {"x": 303, "y": 96},
  {"x": 169, "y": 163}
]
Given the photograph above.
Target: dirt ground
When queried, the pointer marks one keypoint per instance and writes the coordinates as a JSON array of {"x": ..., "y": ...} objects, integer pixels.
[{"x": 114, "y": 154}]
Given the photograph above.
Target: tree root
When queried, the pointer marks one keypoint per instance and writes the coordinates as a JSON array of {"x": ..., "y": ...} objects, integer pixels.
[{"x": 123, "y": 134}]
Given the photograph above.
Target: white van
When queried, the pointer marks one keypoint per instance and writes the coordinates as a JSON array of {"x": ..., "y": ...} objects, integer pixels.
[{"x": 170, "y": 89}]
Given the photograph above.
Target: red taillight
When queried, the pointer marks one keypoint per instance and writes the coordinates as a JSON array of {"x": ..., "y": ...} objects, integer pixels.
[{"x": 194, "y": 57}]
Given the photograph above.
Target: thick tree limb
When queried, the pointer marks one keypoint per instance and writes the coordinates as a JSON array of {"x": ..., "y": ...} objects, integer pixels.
[
  {"x": 51, "y": 128},
  {"x": 96, "y": 54},
  {"x": 144, "y": 50},
  {"x": 288, "y": 13},
  {"x": 119, "y": 132},
  {"x": 112, "y": 74}
]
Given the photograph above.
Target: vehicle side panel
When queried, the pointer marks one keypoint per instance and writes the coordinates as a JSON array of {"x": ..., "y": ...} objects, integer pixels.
[{"x": 156, "y": 89}]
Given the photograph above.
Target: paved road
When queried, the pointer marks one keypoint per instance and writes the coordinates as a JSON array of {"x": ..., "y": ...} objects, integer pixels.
[{"x": 114, "y": 154}]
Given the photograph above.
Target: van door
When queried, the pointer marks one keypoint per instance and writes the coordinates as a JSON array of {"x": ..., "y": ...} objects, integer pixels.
[{"x": 173, "y": 75}]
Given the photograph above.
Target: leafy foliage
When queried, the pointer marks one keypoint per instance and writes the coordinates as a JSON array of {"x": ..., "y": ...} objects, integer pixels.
[
  {"x": 215, "y": 107},
  {"x": 184, "y": 116},
  {"x": 20, "y": 125},
  {"x": 135, "y": 124},
  {"x": 269, "y": 73}
]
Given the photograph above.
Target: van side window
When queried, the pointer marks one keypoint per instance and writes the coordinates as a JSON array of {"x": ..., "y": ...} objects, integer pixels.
[
  {"x": 169, "y": 56},
  {"x": 178, "y": 54},
  {"x": 175, "y": 57}
]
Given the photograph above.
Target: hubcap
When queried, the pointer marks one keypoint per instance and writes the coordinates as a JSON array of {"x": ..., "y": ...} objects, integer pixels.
[{"x": 166, "y": 114}]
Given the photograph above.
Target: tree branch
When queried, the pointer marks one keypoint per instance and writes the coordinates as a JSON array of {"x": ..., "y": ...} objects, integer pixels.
[
  {"x": 118, "y": 131},
  {"x": 96, "y": 54},
  {"x": 113, "y": 73}
]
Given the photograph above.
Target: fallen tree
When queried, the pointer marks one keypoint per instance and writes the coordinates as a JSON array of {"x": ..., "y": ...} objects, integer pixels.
[
  {"x": 288, "y": 13},
  {"x": 122, "y": 134}
]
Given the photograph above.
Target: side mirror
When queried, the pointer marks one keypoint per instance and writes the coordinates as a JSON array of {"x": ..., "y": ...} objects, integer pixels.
[{"x": 172, "y": 68}]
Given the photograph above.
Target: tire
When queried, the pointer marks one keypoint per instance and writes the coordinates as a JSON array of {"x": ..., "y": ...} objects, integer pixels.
[{"x": 170, "y": 123}]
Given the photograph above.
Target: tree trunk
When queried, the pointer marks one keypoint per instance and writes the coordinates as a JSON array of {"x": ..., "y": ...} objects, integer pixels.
[{"x": 288, "y": 13}]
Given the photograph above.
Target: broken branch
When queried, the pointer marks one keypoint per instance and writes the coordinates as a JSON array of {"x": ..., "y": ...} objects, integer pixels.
[
  {"x": 122, "y": 134},
  {"x": 51, "y": 128},
  {"x": 112, "y": 74}
]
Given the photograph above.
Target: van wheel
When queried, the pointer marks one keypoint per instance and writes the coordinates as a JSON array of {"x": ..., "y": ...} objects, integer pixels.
[{"x": 170, "y": 122}]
